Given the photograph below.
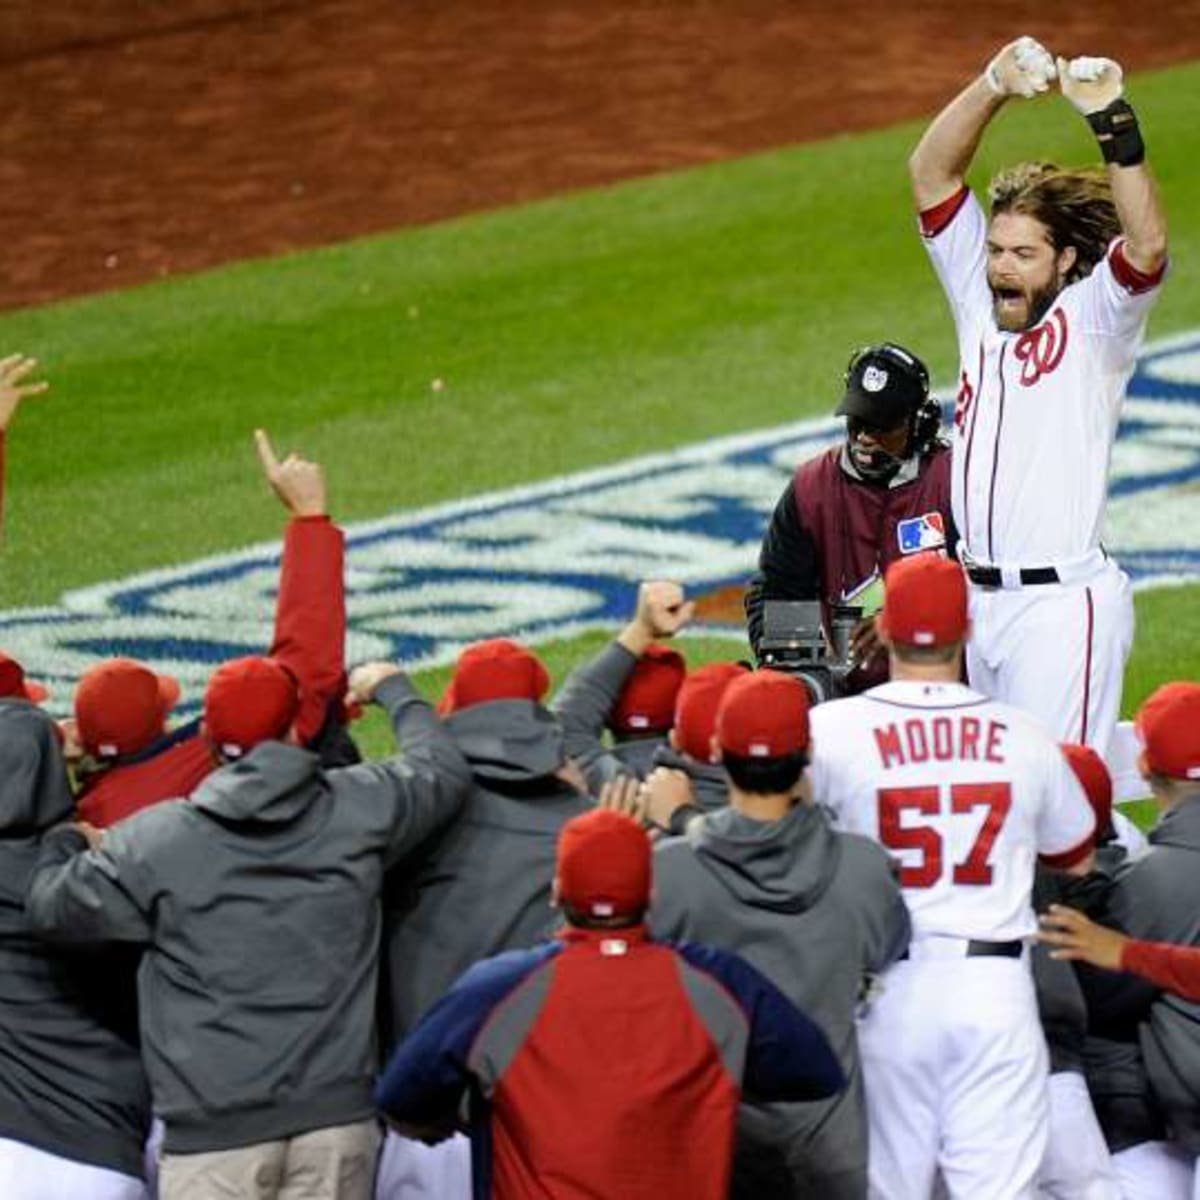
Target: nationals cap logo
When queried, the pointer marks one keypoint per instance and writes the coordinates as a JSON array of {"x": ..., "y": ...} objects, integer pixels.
[{"x": 561, "y": 557}]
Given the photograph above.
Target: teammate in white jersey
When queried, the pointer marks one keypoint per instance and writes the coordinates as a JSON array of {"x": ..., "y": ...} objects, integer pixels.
[
  {"x": 967, "y": 793},
  {"x": 1050, "y": 297}
]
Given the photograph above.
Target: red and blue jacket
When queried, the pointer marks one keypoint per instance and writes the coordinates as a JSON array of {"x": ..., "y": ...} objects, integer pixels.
[{"x": 605, "y": 1065}]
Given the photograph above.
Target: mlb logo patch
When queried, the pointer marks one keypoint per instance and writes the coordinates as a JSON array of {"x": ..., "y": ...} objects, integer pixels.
[{"x": 926, "y": 532}]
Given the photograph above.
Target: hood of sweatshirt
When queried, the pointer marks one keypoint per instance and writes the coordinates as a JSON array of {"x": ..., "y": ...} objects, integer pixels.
[
  {"x": 272, "y": 785},
  {"x": 1179, "y": 826},
  {"x": 34, "y": 791},
  {"x": 784, "y": 866},
  {"x": 508, "y": 741}
]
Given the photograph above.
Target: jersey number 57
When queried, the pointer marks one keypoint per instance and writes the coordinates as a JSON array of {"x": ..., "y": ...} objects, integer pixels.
[{"x": 899, "y": 831}]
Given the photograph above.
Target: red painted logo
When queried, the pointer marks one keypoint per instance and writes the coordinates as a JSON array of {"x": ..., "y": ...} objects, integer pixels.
[
  {"x": 1041, "y": 349},
  {"x": 962, "y": 402}
]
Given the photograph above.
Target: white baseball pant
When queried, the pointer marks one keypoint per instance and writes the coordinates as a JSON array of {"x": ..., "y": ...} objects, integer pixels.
[
  {"x": 411, "y": 1170},
  {"x": 153, "y": 1150},
  {"x": 955, "y": 1068},
  {"x": 1056, "y": 650},
  {"x": 1154, "y": 1171},
  {"x": 27, "y": 1173},
  {"x": 1077, "y": 1165}
]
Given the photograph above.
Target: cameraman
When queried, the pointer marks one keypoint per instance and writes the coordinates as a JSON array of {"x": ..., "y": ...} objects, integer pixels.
[{"x": 854, "y": 509}]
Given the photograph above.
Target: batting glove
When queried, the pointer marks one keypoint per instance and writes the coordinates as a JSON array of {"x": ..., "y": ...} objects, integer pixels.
[
  {"x": 1023, "y": 68},
  {"x": 1091, "y": 84}
]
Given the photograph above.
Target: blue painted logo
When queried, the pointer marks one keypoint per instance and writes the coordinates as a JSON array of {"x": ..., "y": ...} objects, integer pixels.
[{"x": 558, "y": 558}]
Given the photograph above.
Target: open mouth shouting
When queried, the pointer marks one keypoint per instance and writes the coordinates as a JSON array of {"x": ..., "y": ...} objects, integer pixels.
[{"x": 1011, "y": 305}]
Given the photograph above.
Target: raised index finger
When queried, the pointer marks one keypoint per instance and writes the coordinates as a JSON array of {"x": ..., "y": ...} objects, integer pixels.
[{"x": 266, "y": 452}]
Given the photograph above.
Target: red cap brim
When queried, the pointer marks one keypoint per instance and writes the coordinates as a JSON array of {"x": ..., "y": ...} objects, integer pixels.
[{"x": 169, "y": 692}]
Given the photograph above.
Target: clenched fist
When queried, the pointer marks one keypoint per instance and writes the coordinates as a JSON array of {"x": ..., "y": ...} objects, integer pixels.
[
  {"x": 1091, "y": 84},
  {"x": 1023, "y": 68}
]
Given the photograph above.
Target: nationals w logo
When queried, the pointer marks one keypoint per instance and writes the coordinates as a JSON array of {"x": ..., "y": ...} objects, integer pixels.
[{"x": 1041, "y": 349}]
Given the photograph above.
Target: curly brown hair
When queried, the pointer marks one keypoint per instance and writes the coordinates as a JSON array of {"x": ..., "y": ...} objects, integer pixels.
[{"x": 1074, "y": 204}]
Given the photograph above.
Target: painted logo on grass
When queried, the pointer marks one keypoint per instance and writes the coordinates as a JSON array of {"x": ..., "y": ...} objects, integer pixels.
[{"x": 562, "y": 557}]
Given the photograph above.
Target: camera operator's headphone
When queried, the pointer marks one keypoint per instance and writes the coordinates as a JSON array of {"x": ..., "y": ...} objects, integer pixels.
[{"x": 925, "y": 420}]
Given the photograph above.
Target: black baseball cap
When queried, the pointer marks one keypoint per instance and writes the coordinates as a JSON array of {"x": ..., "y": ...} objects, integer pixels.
[{"x": 885, "y": 385}]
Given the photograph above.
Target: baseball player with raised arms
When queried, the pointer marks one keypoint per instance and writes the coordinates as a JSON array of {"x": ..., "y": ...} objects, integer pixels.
[
  {"x": 1050, "y": 296},
  {"x": 968, "y": 794}
]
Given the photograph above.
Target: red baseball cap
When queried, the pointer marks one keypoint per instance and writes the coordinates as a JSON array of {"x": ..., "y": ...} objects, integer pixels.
[
  {"x": 1093, "y": 776},
  {"x": 604, "y": 864},
  {"x": 696, "y": 707},
  {"x": 247, "y": 701},
  {"x": 1169, "y": 726},
  {"x": 14, "y": 684},
  {"x": 763, "y": 715},
  {"x": 494, "y": 670},
  {"x": 647, "y": 701},
  {"x": 924, "y": 601},
  {"x": 121, "y": 706}
]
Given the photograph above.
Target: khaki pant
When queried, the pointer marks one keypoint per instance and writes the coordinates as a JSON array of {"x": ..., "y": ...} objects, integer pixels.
[{"x": 337, "y": 1163}]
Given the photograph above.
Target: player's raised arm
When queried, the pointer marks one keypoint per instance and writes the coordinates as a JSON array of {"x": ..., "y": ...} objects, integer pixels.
[
  {"x": 939, "y": 163},
  {"x": 299, "y": 484},
  {"x": 13, "y": 389},
  {"x": 1095, "y": 87}
]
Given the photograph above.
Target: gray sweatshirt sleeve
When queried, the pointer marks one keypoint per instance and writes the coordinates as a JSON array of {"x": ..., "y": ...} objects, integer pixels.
[
  {"x": 583, "y": 706},
  {"x": 425, "y": 783},
  {"x": 667, "y": 916},
  {"x": 77, "y": 896},
  {"x": 887, "y": 926}
]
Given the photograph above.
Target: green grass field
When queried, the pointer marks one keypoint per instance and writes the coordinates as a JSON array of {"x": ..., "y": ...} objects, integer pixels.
[{"x": 566, "y": 334}]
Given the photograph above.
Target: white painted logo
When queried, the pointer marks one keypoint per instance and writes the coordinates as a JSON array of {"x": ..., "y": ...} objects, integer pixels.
[
  {"x": 558, "y": 558},
  {"x": 874, "y": 379}
]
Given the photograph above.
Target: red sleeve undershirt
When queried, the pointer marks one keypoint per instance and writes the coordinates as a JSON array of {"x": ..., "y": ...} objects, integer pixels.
[
  {"x": 1175, "y": 969},
  {"x": 934, "y": 220},
  {"x": 1128, "y": 276},
  {"x": 310, "y": 618}
]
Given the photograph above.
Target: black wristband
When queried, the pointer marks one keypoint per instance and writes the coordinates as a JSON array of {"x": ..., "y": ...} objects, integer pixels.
[{"x": 1116, "y": 129}]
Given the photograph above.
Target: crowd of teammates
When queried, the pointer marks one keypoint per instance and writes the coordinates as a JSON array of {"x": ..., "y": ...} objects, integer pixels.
[{"x": 674, "y": 932}]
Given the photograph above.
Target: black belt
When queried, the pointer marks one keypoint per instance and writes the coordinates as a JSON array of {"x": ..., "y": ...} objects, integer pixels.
[
  {"x": 991, "y": 577},
  {"x": 990, "y": 949},
  {"x": 994, "y": 949}
]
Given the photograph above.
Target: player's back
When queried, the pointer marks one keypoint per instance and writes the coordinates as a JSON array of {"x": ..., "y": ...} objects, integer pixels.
[{"x": 965, "y": 792}]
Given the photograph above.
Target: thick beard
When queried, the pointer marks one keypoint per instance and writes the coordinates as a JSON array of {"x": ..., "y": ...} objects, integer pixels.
[{"x": 1038, "y": 305}]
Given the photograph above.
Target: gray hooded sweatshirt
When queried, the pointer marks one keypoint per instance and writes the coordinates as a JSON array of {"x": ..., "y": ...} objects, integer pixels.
[
  {"x": 71, "y": 1079},
  {"x": 1157, "y": 898},
  {"x": 818, "y": 912},
  {"x": 583, "y": 706},
  {"x": 258, "y": 902},
  {"x": 483, "y": 884}
]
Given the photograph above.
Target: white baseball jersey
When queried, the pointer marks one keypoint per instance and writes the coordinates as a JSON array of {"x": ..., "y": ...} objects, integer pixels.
[
  {"x": 965, "y": 792},
  {"x": 1037, "y": 410}
]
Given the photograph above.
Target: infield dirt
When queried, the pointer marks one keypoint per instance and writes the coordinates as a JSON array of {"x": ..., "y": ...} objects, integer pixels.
[{"x": 166, "y": 136}]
